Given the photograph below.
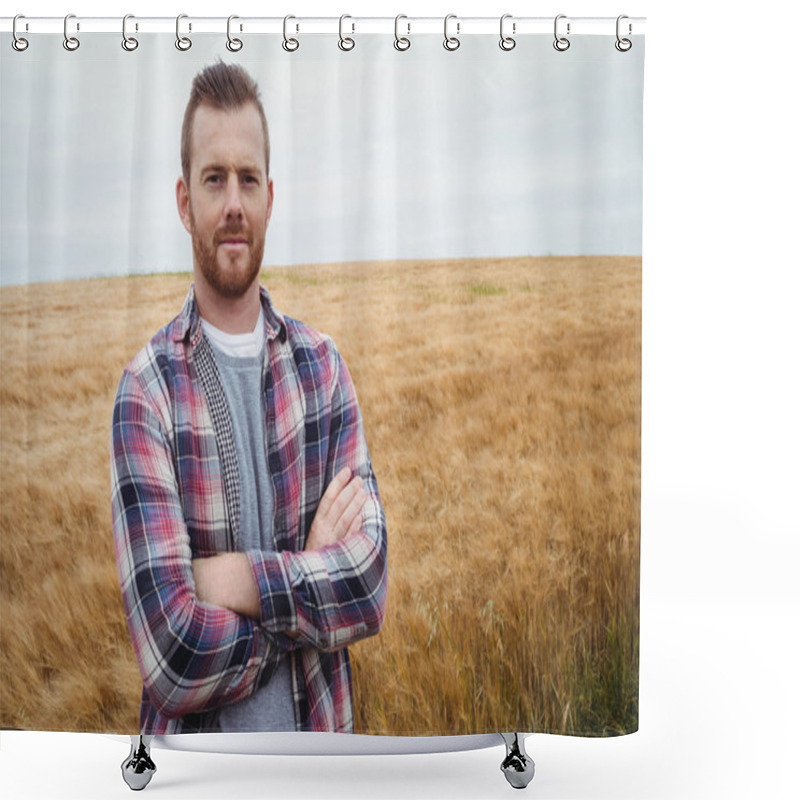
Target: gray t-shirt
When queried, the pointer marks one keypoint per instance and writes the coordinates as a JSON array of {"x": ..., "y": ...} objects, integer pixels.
[{"x": 270, "y": 708}]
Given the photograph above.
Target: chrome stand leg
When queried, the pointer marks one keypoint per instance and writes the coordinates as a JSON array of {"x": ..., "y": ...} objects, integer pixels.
[
  {"x": 518, "y": 766},
  {"x": 138, "y": 768}
]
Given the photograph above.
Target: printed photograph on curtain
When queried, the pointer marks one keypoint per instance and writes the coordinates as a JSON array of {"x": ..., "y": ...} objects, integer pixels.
[{"x": 330, "y": 419}]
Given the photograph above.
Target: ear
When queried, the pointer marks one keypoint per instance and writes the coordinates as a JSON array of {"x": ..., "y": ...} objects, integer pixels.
[
  {"x": 271, "y": 191},
  {"x": 182, "y": 196}
]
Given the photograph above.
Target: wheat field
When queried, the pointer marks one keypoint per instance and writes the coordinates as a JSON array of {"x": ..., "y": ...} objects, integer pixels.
[{"x": 501, "y": 401}]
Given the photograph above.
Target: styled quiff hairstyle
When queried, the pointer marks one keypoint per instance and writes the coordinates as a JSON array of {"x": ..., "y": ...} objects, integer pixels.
[{"x": 225, "y": 87}]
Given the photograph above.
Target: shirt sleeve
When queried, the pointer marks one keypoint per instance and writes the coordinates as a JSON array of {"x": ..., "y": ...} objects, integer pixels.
[
  {"x": 334, "y": 596},
  {"x": 192, "y": 656}
]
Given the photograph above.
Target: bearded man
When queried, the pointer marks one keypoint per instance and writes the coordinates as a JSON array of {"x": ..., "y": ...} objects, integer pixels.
[{"x": 249, "y": 533}]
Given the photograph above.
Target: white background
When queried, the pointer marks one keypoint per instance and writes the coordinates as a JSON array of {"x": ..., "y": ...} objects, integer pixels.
[
  {"x": 483, "y": 153},
  {"x": 719, "y": 699}
]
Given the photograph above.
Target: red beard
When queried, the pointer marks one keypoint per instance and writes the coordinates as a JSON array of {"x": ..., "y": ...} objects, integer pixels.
[{"x": 237, "y": 278}]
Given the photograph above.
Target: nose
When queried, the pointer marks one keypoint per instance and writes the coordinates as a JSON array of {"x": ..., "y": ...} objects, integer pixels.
[{"x": 233, "y": 200}]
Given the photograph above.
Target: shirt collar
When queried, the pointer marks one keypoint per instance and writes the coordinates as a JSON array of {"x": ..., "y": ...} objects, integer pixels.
[{"x": 188, "y": 321}]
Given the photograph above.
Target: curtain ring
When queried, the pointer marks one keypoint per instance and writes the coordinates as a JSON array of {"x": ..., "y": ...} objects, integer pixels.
[
  {"x": 70, "y": 42},
  {"x": 183, "y": 43},
  {"x": 561, "y": 43},
  {"x": 289, "y": 45},
  {"x": 507, "y": 42},
  {"x": 345, "y": 42},
  {"x": 234, "y": 45},
  {"x": 623, "y": 45},
  {"x": 128, "y": 42},
  {"x": 18, "y": 43},
  {"x": 451, "y": 42},
  {"x": 401, "y": 42}
]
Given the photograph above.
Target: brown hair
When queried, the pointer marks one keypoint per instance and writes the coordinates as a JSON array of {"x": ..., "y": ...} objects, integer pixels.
[{"x": 222, "y": 86}]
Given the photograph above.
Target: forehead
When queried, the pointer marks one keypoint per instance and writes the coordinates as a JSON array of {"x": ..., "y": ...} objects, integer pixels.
[{"x": 228, "y": 137}]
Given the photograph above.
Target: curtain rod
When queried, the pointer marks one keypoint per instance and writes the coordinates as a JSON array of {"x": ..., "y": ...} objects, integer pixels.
[{"x": 349, "y": 25}]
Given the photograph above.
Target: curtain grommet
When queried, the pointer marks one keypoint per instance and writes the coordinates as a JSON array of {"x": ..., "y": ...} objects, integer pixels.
[
  {"x": 290, "y": 44},
  {"x": 183, "y": 43},
  {"x": 71, "y": 43},
  {"x": 18, "y": 42},
  {"x": 507, "y": 43},
  {"x": 623, "y": 45},
  {"x": 401, "y": 43},
  {"x": 451, "y": 43},
  {"x": 561, "y": 43},
  {"x": 346, "y": 43},
  {"x": 128, "y": 42},
  {"x": 234, "y": 45}
]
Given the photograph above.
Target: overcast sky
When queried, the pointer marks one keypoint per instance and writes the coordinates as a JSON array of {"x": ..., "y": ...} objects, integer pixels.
[{"x": 376, "y": 154}]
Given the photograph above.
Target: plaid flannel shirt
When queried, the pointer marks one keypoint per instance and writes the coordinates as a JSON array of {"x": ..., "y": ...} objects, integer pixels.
[{"x": 175, "y": 497}]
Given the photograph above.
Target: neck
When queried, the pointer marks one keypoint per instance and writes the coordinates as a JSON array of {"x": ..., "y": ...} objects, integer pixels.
[{"x": 229, "y": 314}]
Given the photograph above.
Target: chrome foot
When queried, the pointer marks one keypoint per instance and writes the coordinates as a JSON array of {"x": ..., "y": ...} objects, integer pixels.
[
  {"x": 138, "y": 768},
  {"x": 518, "y": 766}
]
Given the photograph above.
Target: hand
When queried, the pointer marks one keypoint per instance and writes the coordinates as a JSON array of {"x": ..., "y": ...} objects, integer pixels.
[
  {"x": 339, "y": 511},
  {"x": 227, "y": 580}
]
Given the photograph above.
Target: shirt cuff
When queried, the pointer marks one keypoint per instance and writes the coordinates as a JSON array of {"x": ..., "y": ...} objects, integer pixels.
[{"x": 275, "y": 599}]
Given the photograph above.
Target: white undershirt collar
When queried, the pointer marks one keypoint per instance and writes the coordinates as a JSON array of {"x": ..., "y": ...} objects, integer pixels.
[{"x": 238, "y": 345}]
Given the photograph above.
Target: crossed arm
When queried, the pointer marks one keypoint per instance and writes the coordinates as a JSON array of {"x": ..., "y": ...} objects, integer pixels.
[
  {"x": 227, "y": 579},
  {"x": 205, "y": 630}
]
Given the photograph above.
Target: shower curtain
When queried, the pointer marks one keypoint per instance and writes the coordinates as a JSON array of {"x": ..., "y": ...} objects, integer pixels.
[{"x": 465, "y": 224}]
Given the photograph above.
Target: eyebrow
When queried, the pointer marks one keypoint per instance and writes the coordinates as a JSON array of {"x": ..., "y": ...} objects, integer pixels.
[{"x": 246, "y": 168}]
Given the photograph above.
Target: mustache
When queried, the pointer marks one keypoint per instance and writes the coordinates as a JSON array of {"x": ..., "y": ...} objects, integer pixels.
[{"x": 230, "y": 231}]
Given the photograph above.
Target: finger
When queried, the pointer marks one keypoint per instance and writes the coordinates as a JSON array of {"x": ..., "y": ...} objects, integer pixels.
[
  {"x": 339, "y": 482},
  {"x": 328, "y": 512},
  {"x": 356, "y": 524},
  {"x": 343, "y": 501},
  {"x": 351, "y": 515}
]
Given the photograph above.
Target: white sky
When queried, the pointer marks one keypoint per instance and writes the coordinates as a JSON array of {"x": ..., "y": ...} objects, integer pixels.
[{"x": 376, "y": 154}]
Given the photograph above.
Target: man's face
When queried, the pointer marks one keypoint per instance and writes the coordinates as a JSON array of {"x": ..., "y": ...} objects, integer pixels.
[{"x": 228, "y": 202}]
